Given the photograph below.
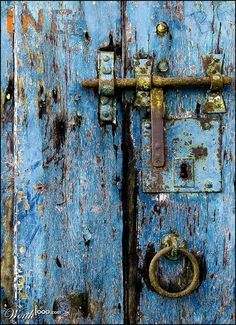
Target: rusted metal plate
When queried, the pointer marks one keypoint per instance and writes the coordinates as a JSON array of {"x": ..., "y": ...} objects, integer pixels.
[{"x": 193, "y": 157}]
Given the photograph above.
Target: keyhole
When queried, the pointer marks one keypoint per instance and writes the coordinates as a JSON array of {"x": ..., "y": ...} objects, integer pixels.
[{"x": 184, "y": 170}]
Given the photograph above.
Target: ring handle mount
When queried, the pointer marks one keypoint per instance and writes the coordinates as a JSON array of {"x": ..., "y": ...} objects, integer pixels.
[
  {"x": 175, "y": 242},
  {"x": 153, "y": 273}
]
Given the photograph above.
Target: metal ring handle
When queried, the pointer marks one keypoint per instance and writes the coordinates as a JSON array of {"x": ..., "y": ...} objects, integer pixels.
[{"x": 153, "y": 271}]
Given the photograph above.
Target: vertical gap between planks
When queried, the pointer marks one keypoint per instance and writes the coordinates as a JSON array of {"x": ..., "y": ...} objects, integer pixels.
[
  {"x": 129, "y": 198},
  {"x": 15, "y": 153}
]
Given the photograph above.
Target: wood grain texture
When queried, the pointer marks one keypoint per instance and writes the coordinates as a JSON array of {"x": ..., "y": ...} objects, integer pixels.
[
  {"x": 206, "y": 221},
  {"x": 7, "y": 156},
  {"x": 78, "y": 232},
  {"x": 68, "y": 209}
]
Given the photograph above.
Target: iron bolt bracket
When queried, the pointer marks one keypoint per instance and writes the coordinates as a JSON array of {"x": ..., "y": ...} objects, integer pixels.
[
  {"x": 143, "y": 74},
  {"x": 173, "y": 240},
  {"x": 213, "y": 68},
  {"x": 106, "y": 88}
]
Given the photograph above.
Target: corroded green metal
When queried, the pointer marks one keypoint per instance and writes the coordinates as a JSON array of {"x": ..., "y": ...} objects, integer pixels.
[
  {"x": 107, "y": 102},
  {"x": 173, "y": 240},
  {"x": 143, "y": 70}
]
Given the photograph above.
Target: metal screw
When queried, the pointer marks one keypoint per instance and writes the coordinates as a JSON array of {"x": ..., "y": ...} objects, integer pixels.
[
  {"x": 143, "y": 94},
  {"x": 77, "y": 98},
  {"x": 105, "y": 114},
  {"x": 162, "y": 28},
  {"x": 163, "y": 66},
  {"x": 106, "y": 58},
  {"x": 106, "y": 70},
  {"x": 148, "y": 126},
  {"x": 208, "y": 184},
  {"x": 104, "y": 100}
]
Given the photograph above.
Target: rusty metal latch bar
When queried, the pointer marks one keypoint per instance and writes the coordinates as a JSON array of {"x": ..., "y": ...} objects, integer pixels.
[
  {"x": 157, "y": 115},
  {"x": 161, "y": 82}
]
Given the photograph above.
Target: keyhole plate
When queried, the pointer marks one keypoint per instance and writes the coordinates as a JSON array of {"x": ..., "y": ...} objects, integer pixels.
[{"x": 192, "y": 156}]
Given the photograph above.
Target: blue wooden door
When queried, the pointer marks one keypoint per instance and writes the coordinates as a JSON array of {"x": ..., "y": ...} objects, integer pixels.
[
  {"x": 83, "y": 210},
  {"x": 204, "y": 219}
]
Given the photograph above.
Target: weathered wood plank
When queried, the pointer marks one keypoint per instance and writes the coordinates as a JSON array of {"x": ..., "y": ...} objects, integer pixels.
[
  {"x": 7, "y": 155},
  {"x": 69, "y": 210},
  {"x": 205, "y": 220}
]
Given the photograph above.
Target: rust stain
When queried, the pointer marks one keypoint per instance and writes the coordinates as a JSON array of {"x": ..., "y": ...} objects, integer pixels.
[
  {"x": 199, "y": 152},
  {"x": 225, "y": 253},
  {"x": 167, "y": 5},
  {"x": 59, "y": 130},
  {"x": 65, "y": 12},
  {"x": 41, "y": 209},
  {"x": 21, "y": 90},
  {"x": 205, "y": 124},
  {"x": 10, "y": 21},
  {"x": 184, "y": 312},
  {"x": 179, "y": 10},
  {"x": 40, "y": 59},
  {"x": 209, "y": 107},
  {"x": 31, "y": 55},
  {"x": 157, "y": 114},
  {"x": 27, "y": 18},
  {"x": 39, "y": 188},
  {"x": 36, "y": 58},
  {"x": 55, "y": 66}
]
